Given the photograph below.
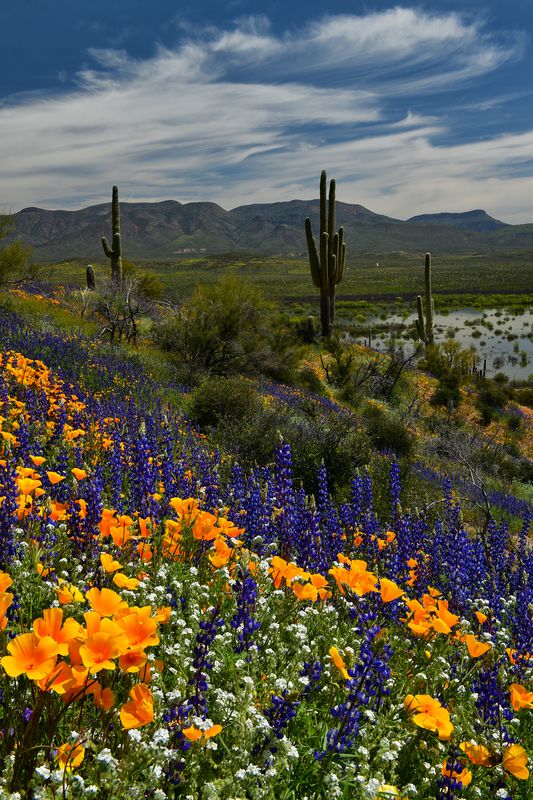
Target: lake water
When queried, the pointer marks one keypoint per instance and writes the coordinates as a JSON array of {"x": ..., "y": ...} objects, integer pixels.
[{"x": 503, "y": 338}]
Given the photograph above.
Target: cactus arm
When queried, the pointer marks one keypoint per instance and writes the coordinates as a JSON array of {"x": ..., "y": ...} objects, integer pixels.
[
  {"x": 429, "y": 299},
  {"x": 342, "y": 263},
  {"x": 324, "y": 245},
  {"x": 333, "y": 260},
  {"x": 420, "y": 322},
  {"x": 325, "y": 318},
  {"x": 323, "y": 203},
  {"x": 107, "y": 250},
  {"x": 90, "y": 278},
  {"x": 115, "y": 210},
  {"x": 331, "y": 210},
  {"x": 314, "y": 260}
]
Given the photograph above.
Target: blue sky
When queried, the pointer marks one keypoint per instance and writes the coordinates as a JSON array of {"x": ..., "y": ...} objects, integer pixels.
[{"x": 414, "y": 108}]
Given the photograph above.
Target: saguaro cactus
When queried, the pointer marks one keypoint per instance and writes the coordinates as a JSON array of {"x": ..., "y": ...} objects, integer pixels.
[
  {"x": 424, "y": 323},
  {"x": 328, "y": 260},
  {"x": 90, "y": 277},
  {"x": 114, "y": 253}
]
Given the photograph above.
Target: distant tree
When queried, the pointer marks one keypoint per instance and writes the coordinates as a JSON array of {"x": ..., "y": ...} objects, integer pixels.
[
  {"x": 147, "y": 284},
  {"x": 15, "y": 264},
  {"x": 226, "y": 328}
]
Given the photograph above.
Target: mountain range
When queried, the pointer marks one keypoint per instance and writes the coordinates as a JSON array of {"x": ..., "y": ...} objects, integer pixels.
[{"x": 169, "y": 230}]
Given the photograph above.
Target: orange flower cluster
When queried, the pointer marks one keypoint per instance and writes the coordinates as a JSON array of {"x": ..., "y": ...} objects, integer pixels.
[
  {"x": 305, "y": 585},
  {"x": 431, "y": 616},
  {"x": 513, "y": 758},
  {"x": 67, "y": 657},
  {"x": 202, "y": 526},
  {"x": 6, "y": 598},
  {"x": 355, "y": 577},
  {"x": 428, "y": 713}
]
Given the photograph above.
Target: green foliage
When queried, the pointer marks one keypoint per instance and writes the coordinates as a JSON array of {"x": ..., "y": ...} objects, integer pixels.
[
  {"x": 449, "y": 359},
  {"x": 308, "y": 378},
  {"x": 226, "y": 328},
  {"x": 490, "y": 399},
  {"x": 147, "y": 284},
  {"x": 14, "y": 257},
  {"x": 448, "y": 392},
  {"x": 387, "y": 431},
  {"x": 219, "y": 398},
  {"x": 315, "y": 436}
]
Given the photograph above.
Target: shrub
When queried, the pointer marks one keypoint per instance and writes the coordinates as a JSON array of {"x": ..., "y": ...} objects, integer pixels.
[
  {"x": 448, "y": 358},
  {"x": 447, "y": 393},
  {"x": 218, "y": 397},
  {"x": 308, "y": 378},
  {"x": 388, "y": 432},
  {"x": 314, "y": 438},
  {"x": 227, "y": 328}
]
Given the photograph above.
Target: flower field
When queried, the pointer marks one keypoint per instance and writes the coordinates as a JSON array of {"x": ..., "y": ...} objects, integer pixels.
[{"x": 174, "y": 626}]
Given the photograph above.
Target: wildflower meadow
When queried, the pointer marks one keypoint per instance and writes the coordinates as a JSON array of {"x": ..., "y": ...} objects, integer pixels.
[{"x": 174, "y": 625}]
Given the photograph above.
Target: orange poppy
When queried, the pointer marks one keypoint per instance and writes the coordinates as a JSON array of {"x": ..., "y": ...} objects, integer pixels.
[
  {"x": 475, "y": 647},
  {"x": 123, "y": 582},
  {"x": 389, "y": 590},
  {"x": 139, "y": 710},
  {"x": 54, "y": 477},
  {"x": 520, "y": 697},
  {"x": 477, "y": 753},
  {"x": 194, "y": 734},
  {"x": 105, "y": 601},
  {"x": 109, "y": 563},
  {"x": 515, "y": 760},
  {"x": 30, "y": 656},
  {"x": 428, "y": 713},
  {"x": 339, "y": 662},
  {"x": 70, "y": 756}
]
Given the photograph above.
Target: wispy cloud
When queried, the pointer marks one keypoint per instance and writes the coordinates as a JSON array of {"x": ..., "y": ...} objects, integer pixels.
[{"x": 245, "y": 115}]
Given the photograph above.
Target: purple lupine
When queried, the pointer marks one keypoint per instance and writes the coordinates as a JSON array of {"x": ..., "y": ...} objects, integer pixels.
[
  {"x": 282, "y": 709},
  {"x": 449, "y": 787},
  {"x": 366, "y": 690},
  {"x": 395, "y": 488},
  {"x": 8, "y": 513},
  {"x": 243, "y": 621},
  {"x": 492, "y": 702},
  {"x": 201, "y": 664},
  {"x": 284, "y": 499}
]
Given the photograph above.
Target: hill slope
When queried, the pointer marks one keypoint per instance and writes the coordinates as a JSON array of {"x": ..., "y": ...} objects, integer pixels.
[{"x": 168, "y": 229}]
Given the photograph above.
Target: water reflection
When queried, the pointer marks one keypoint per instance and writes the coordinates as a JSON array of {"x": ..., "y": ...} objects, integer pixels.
[{"x": 503, "y": 337}]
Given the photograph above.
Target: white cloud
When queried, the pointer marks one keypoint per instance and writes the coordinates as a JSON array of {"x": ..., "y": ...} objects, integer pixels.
[{"x": 247, "y": 116}]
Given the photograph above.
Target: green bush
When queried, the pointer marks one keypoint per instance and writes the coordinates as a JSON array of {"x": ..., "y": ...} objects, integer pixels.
[
  {"x": 308, "y": 378},
  {"x": 227, "y": 328},
  {"x": 448, "y": 392},
  {"x": 314, "y": 438},
  {"x": 388, "y": 432},
  {"x": 218, "y": 397},
  {"x": 448, "y": 358}
]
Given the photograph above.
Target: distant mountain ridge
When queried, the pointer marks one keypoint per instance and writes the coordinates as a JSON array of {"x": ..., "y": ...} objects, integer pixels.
[
  {"x": 477, "y": 220},
  {"x": 167, "y": 229}
]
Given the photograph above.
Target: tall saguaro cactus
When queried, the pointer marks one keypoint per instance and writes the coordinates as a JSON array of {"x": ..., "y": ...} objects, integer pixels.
[
  {"x": 114, "y": 253},
  {"x": 424, "y": 323},
  {"x": 328, "y": 260}
]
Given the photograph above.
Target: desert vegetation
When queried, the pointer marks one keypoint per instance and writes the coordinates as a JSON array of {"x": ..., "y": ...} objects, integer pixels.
[{"x": 241, "y": 559}]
